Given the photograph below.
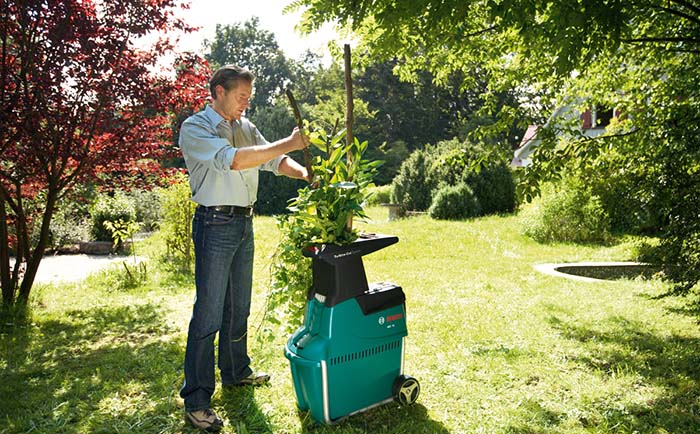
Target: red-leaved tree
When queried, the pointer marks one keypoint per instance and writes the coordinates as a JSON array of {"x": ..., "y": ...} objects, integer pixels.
[{"x": 79, "y": 97}]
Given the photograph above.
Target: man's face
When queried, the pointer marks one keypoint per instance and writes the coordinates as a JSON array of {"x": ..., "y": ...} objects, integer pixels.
[{"x": 232, "y": 103}]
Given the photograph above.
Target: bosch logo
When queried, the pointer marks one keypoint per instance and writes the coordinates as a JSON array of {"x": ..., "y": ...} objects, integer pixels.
[
  {"x": 396, "y": 317},
  {"x": 389, "y": 319}
]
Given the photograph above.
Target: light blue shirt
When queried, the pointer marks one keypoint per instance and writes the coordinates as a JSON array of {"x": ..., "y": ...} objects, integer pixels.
[{"x": 209, "y": 143}]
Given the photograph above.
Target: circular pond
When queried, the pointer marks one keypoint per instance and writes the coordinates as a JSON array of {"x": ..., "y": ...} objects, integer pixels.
[{"x": 597, "y": 271}]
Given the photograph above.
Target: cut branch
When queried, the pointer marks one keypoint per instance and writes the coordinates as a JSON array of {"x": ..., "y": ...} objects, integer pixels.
[{"x": 300, "y": 125}]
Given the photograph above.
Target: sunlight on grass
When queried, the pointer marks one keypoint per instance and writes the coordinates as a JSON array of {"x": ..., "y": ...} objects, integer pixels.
[{"x": 497, "y": 346}]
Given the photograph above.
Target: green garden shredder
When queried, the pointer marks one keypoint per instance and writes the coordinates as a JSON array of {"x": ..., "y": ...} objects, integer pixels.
[{"x": 348, "y": 355}]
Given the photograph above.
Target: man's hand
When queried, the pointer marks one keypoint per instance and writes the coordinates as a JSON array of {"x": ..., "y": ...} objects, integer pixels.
[{"x": 300, "y": 140}]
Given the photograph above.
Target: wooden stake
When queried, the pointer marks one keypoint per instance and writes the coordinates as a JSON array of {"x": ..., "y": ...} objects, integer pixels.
[{"x": 350, "y": 106}]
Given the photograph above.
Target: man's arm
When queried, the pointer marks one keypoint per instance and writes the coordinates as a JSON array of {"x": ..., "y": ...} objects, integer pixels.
[
  {"x": 289, "y": 167},
  {"x": 254, "y": 156}
]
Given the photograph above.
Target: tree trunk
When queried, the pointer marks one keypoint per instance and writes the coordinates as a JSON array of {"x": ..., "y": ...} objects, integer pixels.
[
  {"x": 34, "y": 259},
  {"x": 8, "y": 289}
]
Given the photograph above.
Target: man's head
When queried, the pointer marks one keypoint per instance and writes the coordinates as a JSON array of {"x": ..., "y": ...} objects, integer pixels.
[{"x": 231, "y": 87}]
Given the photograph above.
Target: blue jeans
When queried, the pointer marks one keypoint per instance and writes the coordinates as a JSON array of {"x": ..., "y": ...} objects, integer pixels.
[{"x": 224, "y": 250}]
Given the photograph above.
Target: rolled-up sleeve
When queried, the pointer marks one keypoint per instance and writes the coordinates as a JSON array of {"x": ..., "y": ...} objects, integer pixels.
[
  {"x": 274, "y": 165},
  {"x": 200, "y": 144}
]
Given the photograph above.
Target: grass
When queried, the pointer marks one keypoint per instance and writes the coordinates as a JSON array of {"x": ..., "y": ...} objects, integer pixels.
[{"x": 497, "y": 346}]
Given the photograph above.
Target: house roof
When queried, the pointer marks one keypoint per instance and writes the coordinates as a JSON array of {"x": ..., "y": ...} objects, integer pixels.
[
  {"x": 529, "y": 134},
  {"x": 521, "y": 155}
]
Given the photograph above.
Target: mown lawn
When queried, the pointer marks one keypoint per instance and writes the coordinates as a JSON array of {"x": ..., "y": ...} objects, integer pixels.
[{"x": 497, "y": 346}]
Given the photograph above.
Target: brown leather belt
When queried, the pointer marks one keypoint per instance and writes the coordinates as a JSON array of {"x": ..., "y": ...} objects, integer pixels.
[{"x": 231, "y": 209}]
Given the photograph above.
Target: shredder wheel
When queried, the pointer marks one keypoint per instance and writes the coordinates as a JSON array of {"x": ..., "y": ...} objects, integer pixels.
[{"x": 406, "y": 389}]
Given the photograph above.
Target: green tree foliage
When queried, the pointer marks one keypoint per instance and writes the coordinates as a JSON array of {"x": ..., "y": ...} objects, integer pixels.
[
  {"x": 329, "y": 102},
  {"x": 418, "y": 112},
  {"x": 256, "y": 49},
  {"x": 640, "y": 56},
  {"x": 409, "y": 115}
]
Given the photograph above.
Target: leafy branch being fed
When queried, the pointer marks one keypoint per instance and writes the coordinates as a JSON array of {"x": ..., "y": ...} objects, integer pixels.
[{"x": 322, "y": 213}]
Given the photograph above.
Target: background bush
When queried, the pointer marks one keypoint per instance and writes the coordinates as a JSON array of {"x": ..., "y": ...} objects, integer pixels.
[
  {"x": 568, "y": 213},
  {"x": 453, "y": 163},
  {"x": 495, "y": 189},
  {"x": 176, "y": 223},
  {"x": 410, "y": 189},
  {"x": 148, "y": 209},
  {"x": 68, "y": 228},
  {"x": 110, "y": 208},
  {"x": 453, "y": 202},
  {"x": 380, "y": 194}
]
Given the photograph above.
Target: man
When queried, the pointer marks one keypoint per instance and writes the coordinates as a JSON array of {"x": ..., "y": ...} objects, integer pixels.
[{"x": 223, "y": 152}]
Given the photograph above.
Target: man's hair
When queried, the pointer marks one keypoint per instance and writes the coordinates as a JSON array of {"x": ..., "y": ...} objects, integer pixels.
[{"x": 228, "y": 77}]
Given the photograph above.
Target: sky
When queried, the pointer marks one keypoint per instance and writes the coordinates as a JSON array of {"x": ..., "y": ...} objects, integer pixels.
[{"x": 206, "y": 14}]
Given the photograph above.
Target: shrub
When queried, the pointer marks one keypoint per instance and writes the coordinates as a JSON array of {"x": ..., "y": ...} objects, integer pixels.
[
  {"x": 176, "y": 223},
  {"x": 569, "y": 214},
  {"x": 453, "y": 202},
  {"x": 483, "y": 169},
  {"x": 452, "y": 162},
  {"x": 70, "y": 222},
  {"x": 110, "y": 208},
  {"x": 148, "y": 210},
  {"x": 67, "y": 228},
  {"x": 495, "y": 188},
  {"x": 410, "y": 189},
  {"x": 379, "y": 194}
]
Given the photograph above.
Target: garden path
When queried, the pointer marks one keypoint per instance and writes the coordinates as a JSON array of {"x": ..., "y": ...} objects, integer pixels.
[{"x": 73, "y": 268}]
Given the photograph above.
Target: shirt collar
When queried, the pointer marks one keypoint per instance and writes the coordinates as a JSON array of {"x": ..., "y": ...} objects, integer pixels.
[
  {"x": 212, "y": 116},
  {"x": 215, "y": 118}
]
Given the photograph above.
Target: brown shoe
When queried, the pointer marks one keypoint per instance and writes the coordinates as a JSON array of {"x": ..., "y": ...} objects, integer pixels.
[
  {"x": 255, "y": 379},
  {"x": 204, "y": 419}
]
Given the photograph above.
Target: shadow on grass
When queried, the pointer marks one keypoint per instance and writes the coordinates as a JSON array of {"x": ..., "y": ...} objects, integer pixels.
[
  {"x": 243, "y": 412},
  {"x": 99, "y": 370},
  {"x": 389, "y": 418},
  {"x": 246, "y": 416},
  {"x": 690, "y": 306},
  {"x": 669, "y": 363}
]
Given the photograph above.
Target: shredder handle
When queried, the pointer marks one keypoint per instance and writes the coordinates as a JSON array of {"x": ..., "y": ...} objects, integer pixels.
[
  {"x": 300, "y": 361},
  {"x": 296, "y": 337}
]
